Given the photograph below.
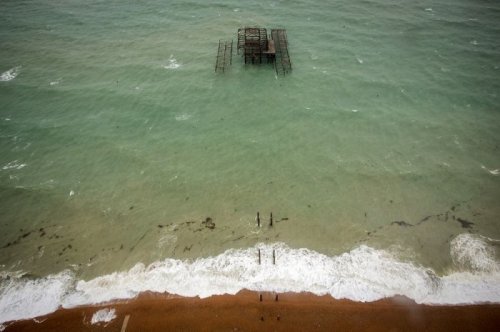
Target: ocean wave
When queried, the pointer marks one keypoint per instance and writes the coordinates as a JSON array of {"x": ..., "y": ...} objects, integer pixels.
[
  {"x": 22, "y": 298},
  {"x": 363, "y": 274},
  {"x": 10, "y": 74}
]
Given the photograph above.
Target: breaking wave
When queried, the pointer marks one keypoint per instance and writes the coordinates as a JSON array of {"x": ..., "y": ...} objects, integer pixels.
[{"x": 363, "y": 274}]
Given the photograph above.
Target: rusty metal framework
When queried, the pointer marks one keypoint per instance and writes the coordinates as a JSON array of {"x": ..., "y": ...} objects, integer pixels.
[
  {"x": 282, "y": 63},
  {"x": 224, "y": 56},
  {"x": 257, "y": 47},
  {"x": 253, "y": 41}
]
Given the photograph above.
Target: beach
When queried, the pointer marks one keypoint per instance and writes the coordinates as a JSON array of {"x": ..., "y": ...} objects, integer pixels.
[{"x": 289, "y": 312}]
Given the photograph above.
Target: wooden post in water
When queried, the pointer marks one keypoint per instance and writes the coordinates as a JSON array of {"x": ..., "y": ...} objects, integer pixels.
[
  {"x": 259, "y": 256},
  {"x": 258, "y": 219},
  {"x": 271, "y": 220},
  {"x": 274, "y": 257}
]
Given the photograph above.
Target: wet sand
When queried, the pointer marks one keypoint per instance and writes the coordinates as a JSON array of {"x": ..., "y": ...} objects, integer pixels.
[{"x": 289, "y": 312}]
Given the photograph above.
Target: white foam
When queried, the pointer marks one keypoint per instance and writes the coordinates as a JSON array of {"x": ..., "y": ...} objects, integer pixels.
[
  {"x": 472, "y": 253},
  {"x": 10, "y": 74},
  {"x": 173, "y": 64},
  {"x": 183, "y": 117},
  {"x": 363, "y": 274},
  {"x": 14, "y": 165},
  {"x": 491, "y": 171},
  {"x": 21, "y": 298},
  {"x": 103, "y": 316}
]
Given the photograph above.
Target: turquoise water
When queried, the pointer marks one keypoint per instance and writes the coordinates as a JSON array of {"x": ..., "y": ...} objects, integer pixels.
[{"x": 117, "y": 139}]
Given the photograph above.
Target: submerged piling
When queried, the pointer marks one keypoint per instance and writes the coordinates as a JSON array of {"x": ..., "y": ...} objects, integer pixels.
[
  {"x": 258, "y": 219},
  {"x": 271, "y": 220}
]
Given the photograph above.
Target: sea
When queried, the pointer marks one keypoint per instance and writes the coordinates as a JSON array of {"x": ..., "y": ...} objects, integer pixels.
[{"x": 127, "y": 164}]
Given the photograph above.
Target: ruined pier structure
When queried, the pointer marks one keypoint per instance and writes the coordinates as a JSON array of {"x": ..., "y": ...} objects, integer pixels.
[
  {"x": 257, "y": 47},
  {"x": 224, "y": 56}
]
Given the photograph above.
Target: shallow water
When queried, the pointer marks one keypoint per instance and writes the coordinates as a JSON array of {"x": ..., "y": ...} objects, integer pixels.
[{"x": 118, "y": 140}]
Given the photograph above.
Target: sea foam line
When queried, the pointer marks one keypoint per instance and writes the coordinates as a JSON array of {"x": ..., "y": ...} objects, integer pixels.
[{"x": 363, "y": 274}]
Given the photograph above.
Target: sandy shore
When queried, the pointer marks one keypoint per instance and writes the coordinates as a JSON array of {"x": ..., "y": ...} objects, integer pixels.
[{"x": 290, "y": 312}]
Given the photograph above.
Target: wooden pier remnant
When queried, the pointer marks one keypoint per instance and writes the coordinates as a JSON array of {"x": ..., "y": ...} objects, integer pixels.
[{"x": 224, "y": 56}]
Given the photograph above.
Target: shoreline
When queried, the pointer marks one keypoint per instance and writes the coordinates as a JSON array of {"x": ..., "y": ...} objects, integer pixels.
[{"x": 246, "y": 312}]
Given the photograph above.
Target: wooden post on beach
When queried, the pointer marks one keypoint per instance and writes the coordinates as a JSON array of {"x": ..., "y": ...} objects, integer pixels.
[
  {"x": 125, "y": 323},
  {"x": 276, "y": 298},
  {"x": 271, "y": 220},
  {"x": 258, "y": 220},
  {"x": 260, "y": 297},
  {"x": 259, "y": 256},
  {"x": 274, "y": 257}
]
